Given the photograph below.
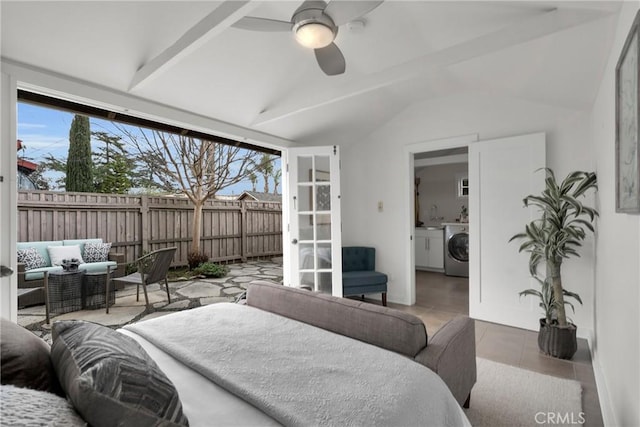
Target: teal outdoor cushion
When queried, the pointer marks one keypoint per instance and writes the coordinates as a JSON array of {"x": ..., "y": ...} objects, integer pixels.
[
  {"x": 38, "y": 273},
  {"x": 98, "y": 267}
]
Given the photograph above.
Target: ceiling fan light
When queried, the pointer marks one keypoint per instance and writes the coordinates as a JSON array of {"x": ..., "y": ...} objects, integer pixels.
[{"x": 314, "y": 35}]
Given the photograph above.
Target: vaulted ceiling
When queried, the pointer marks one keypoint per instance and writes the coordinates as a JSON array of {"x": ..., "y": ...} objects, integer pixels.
[{"x": 187, "y": 55}]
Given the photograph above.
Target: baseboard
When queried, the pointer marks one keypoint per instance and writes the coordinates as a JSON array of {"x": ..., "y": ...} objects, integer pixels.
[{"x": 608, "y": 415}]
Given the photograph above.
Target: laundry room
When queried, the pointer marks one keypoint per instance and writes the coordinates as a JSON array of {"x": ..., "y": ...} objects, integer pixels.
[{"x": 441, "y": 181}]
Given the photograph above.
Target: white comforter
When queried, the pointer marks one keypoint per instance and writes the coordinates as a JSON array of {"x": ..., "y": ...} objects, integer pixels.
[{"x": 298, "y": 374}]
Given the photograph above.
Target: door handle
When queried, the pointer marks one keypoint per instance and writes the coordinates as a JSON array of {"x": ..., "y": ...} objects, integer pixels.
[
  {"x": 294, "y": 241},
  {"x": 5, "y": 271}
]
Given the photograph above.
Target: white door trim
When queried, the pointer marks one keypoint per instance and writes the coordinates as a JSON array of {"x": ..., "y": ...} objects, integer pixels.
[
  {"x": 8, "y": 196},
  {"x": 409, "y": 203}
]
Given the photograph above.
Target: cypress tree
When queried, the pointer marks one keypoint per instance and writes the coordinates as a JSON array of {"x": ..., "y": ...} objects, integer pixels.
[{"x": 79, "y": 162}]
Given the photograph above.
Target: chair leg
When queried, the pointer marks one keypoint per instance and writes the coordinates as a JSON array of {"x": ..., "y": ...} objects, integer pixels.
[
  {"x": 384, "y": 299},
  {"x": 146, "y": 297},
  {"x": 138, "y": 292},
  {"x": 166, "y": 284},
  {"x": 46, "y": 296},
  {"x": 106, "y": 289},
  {"x": 362, "y": 297}
]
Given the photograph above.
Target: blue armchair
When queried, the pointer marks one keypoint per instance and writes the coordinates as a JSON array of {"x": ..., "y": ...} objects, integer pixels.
[{"x": 358, "y": 273}]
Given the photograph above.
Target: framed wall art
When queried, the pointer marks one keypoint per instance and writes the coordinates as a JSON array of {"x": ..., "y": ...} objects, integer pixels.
[{"x": 627, "y": 124}]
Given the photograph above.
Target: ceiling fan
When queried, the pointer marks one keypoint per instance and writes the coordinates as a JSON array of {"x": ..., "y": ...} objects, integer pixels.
[{"x": 315, "y": 25}]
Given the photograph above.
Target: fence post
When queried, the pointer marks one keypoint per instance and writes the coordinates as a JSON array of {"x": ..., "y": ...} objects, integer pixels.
[
  {"x": 243, "y": 230},
  {"x": 144, "y": 223}
]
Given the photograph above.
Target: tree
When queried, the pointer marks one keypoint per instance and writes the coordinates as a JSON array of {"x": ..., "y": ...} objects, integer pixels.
[
  {"x": 37, "y": 176},
  {"x": 113, "y": 169},
  {"x": 79, "y": 163},
  {"x": 277, "y": 175},
  {"x": 51, "y": 163},
  {"x": 254, "y": 180},
  {"x": 265, "y": 168},
  {"x": 194, "y": 167}
]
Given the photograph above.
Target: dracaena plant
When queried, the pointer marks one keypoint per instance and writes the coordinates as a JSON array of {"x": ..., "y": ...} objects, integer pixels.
[{"x": 556, "y": 236}]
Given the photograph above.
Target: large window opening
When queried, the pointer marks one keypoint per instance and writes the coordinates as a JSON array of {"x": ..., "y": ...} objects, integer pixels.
[{"x": 144, "y": 185}]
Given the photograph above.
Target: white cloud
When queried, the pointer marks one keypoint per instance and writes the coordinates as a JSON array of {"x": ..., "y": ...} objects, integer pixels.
[{"x": 31, "y": 126}]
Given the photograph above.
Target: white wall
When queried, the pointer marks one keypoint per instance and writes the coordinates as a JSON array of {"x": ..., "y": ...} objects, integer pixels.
[
  {"x": 439, "y": 186},
  {"x": 617, "y": 272},
  {"x": 372, "y": 171}
]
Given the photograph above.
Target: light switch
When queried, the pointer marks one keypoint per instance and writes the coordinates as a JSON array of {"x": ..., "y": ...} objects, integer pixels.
[{"x": 380, "y": 206}]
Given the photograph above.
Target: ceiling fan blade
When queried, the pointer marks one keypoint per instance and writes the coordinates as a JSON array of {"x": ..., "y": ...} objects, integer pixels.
[
  {"x": 344, "y": 11},
  {"x": 330, "y": 60},
  {"x": 262, "y": 24}
]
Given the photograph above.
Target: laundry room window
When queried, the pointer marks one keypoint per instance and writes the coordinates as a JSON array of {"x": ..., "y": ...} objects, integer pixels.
[{"x": 463, "y": 186}]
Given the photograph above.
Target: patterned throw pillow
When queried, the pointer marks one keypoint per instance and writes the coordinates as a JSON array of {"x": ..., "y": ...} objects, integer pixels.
[
  {"x": 31, "y": 258},
  {"x": 111, "y": 379},
  {"x": 96, "y": 252}
]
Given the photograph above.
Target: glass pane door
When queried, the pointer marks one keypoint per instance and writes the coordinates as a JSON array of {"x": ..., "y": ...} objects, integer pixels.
[{"x": 315, "y": 219}]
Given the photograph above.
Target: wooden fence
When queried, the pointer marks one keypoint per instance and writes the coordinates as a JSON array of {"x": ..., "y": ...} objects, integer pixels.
[{"x": 231, "y": 230}]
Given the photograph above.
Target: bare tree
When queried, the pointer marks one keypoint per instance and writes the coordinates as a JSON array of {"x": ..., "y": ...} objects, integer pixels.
[{"x": 196, "y": 168}]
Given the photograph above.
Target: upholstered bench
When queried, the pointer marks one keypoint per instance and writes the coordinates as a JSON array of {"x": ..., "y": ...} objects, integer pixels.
[{"x": 358, "y": 273}]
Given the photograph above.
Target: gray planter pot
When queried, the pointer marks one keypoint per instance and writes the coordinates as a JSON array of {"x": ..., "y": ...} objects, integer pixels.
[{"x": 556, "y": 341}]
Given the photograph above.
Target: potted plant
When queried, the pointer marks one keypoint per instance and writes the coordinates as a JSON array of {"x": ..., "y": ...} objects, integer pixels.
[{"x": 551, "y": 239}]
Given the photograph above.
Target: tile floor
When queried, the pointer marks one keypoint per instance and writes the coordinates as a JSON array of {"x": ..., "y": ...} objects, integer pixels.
[{"x": 440, "y": 297}]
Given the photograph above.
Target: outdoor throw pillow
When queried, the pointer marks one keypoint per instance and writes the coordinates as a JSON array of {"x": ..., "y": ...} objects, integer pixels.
[
  {"x": 96, "y": 252},
  {"x": 25, "y": 359},
  {"x": 111, "y": 379},
  {"x": 31, "y": 258},
  {"x": 60, "y": 253}
]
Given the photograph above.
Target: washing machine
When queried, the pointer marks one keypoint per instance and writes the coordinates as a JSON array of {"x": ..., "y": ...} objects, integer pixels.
[{"x": 456, "y": 250}]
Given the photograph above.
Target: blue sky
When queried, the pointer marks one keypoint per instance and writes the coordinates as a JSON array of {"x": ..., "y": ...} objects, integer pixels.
[{"x": 45, "y": 131}]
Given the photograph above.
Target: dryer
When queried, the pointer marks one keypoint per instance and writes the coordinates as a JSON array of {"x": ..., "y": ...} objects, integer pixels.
[{"x": 456, "y": 250}]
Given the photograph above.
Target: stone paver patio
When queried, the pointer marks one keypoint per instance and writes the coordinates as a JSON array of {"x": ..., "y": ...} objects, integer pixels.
[{"x": 185, "y": 294}]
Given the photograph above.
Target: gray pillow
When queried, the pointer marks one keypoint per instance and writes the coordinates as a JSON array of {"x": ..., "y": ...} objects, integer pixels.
[
  {"x": 27, "y": 407},
  {"x": 25, "y": 359},
  {"x": 31, "y": 258},
  {"x": 110, "y": 379}
]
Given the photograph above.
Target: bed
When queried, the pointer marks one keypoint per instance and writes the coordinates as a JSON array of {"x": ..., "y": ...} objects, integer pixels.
[{"x": 246, "y": 364}]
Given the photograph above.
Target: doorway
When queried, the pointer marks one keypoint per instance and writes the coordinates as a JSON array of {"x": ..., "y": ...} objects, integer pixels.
[
  {"x": 418, "y": 155},
  {"x": 441, "y": 256}
]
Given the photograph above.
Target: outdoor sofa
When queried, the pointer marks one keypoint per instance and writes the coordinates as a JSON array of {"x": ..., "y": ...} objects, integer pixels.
[
  {"x": 285, "y": 357},
  {"x": 31, "y": 280}
]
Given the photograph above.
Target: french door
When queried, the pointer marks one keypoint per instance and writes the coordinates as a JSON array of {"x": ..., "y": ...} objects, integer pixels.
[{"x": 313, "y": 230}]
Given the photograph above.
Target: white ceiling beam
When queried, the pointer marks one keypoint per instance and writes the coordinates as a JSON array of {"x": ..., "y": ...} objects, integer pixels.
[
  {"x": 539, "y": 26},
  {"x": 209, "y": 27}
]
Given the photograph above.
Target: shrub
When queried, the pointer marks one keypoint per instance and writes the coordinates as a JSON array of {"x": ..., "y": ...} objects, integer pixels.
[
  {"x": 196, "y": 258},
  {"x": 210, "y": 269}
]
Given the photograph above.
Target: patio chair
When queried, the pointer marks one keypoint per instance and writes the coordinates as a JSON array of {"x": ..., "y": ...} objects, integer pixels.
[{"x": 152, "y": 268}]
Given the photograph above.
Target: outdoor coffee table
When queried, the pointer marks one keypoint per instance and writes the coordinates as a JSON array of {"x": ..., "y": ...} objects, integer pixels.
[
  {"x": 94, "y": 291},
  {"x": 65, "y": 291}
]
